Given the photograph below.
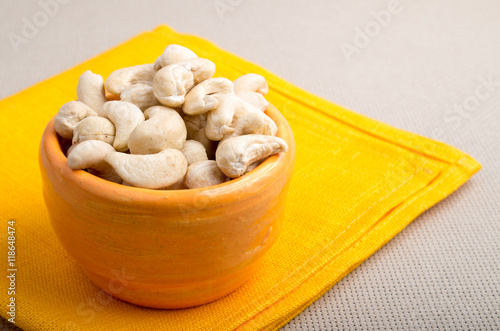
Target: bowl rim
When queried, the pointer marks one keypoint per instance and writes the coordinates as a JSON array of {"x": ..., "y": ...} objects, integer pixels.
[{"x": 239, "y": 188}]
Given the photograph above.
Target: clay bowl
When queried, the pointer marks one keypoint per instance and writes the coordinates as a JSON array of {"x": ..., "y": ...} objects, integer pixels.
[{"x": 167, "y": 249}]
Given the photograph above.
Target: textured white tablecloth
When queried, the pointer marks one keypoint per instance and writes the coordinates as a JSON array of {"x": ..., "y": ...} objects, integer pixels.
[{"x": 430, "y": 67}]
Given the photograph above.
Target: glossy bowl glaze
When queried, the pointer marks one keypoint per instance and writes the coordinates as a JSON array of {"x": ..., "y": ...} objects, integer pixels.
[{"x": 167, "y": 249}]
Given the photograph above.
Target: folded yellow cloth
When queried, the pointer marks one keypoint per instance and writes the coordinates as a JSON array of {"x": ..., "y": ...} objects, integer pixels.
[{"x": 357, "y": 183}]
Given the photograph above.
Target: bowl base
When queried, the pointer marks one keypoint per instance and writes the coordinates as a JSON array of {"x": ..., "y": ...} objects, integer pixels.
[{"x": 164, "y": 296}]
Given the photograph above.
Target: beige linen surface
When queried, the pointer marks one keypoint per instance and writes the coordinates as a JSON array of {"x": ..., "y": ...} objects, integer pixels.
[{"x": 430, "y": 67}]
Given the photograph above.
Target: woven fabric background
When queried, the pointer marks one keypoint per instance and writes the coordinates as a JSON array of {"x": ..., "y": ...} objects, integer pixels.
[{"x": 421, "y": 72}]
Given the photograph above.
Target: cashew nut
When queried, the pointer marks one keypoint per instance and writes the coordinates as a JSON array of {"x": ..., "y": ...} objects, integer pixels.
[
  {"x": 172, "y": 54},
  {"x": 94, "y": 128},
  {"x": 155, "y": 110},
  {"x": 194, "y": 151},
  {"x": 163, "y": 130},
  {"x": 90, "y": 155},
  {"x": 235, "y": 154},
  {"x": 125, "y": 116},
  {"x": 120, "y": 79},
  {"x": 90, "y": 90},
  {"x": 249, "y": 120},
  {"x": 201, "y": 98},
  {"x": 70, "y": 148},
  {"x": 195, "y": 123},
  {"x": 202, "y": 69},
  {"x": 149, "y": 171},
  {"x": 234, "y": 117},
  {"x": 195, "y": 126},
  {"x": 171, "y": 83},
  {"x": 69, "y": 115},
  {"x": 203, "y": 174},
  {"x": 140, "y": 95},
  {"x": 251, "y": 83},
  {"x": 255, "y": 99},
  {"x": 253, "y": 166},
  {"x": 219, "y": 120},
  {"x": 161, "y": 125}
]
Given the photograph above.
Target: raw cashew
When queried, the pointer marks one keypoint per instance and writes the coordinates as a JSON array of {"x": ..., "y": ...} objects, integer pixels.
[
  {"x": 252, "y": 121},
  {"x": 69, "y": 115},
  {"x": 251, "y": 83},
  {"x": 195, "y": 123},
  {"x": 168, "y": 125},
  {"x": 194, "y": 151},
  {"x": 125, "y": 116},
  {"x": 155, "y": 110},
  {"x": 140, "y": 95},
  {"x": 255, "y": 99},
  {"x": 90, "y": 90},
  {"x": 90, "y": 155},
  {"x": 202, "y": 69},
  {"x": 172, "y": 54},
  {"x": 203, "y": 97},
  {"x": 236, "y": 117},
  {"x": 253, "y": 166},
  {"x": 172, "y": 82},
  {"x": 235, "y": 154},
  {"x": 219, "y": 120},
  {"x": 120, "y": 79},
  {"x": 203, "y": 174},
  {"x": 149, "y": 171},
  {"x": 70, "y": 148},
  {"x": 195, "y": 126},
  {"x": 163, "y": 130},
  {"x": 94, "y": 128}
]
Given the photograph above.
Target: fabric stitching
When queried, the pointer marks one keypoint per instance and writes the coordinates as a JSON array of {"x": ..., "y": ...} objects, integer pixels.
[
  {"x": 327, "y": 246},
  {"x": 404, "y": 203},
  {"x": 408, "y": 203}
]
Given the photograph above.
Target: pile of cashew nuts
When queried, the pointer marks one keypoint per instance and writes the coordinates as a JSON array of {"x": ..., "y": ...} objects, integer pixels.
[{"x": 168, "y": 125}]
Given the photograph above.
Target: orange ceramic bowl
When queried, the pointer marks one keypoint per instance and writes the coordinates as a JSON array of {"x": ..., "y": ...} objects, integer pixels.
[{"x": 167, "y": 249}]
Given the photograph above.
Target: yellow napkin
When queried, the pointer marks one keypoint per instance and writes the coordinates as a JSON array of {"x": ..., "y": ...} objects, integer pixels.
[{"x": 357, "y": 183}]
